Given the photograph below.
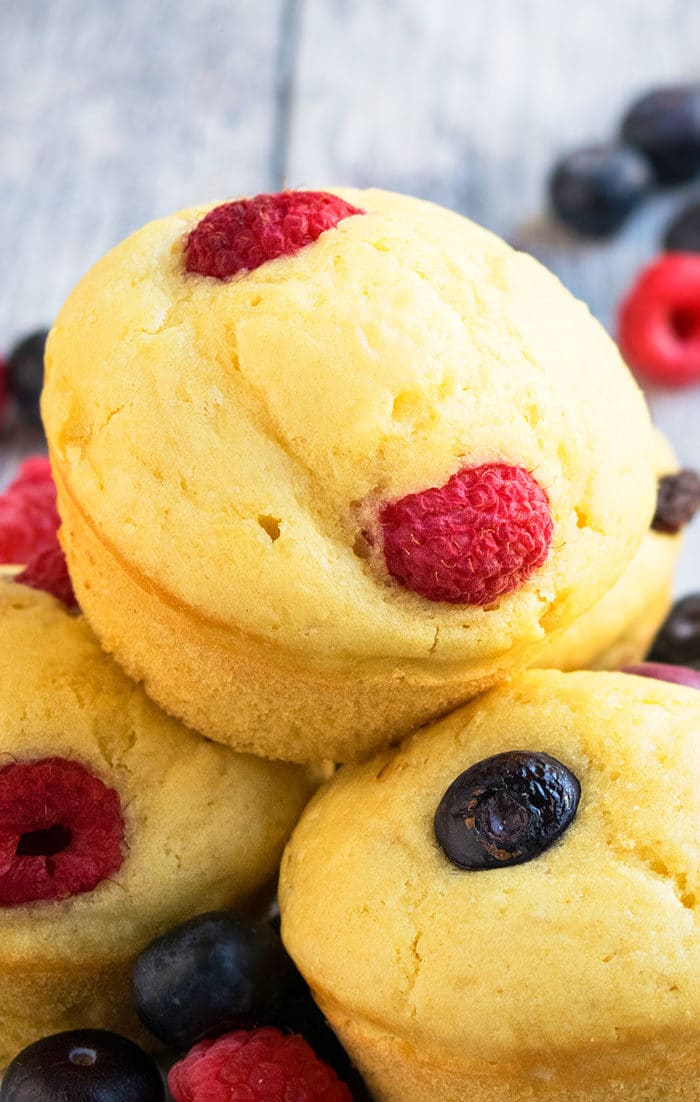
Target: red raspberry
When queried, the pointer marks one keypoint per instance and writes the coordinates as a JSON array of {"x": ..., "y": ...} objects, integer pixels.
[
  {"x": 48, "y": 570},
  {"x": 61, "y": 831},
  {"x": 659, "y": 321},
  {"x": 470, "y": 541},
  {"x": 36, "y": 468},
  {"x": 261, "y": 1066},
  {"x": 29, "y": 519},
  {"x": 240, "y": 236}
]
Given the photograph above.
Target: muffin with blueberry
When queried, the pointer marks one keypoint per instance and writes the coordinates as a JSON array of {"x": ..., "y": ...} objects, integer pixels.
[
  {"x": 330, "y": 463},
  {"x": 115, "y": 822},
  {"x": 506, "y": 907},
  {"x": 620, "y": 628}
]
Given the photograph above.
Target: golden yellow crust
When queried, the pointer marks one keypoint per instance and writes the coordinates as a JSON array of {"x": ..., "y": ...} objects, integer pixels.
[
  {"x": 229, "y": 442},
  {"x": 620, "y": 628},
  {"x": 572, "y": 975},
  {"x": 204, "y": 826}
]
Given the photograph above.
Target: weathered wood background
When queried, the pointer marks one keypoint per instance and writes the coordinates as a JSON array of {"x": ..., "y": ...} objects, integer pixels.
[{"x": 114, "y": 113}]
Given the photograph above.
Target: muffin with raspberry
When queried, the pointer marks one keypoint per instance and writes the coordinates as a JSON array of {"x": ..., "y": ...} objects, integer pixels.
[
  {"x": 507, "y": 907},
  {"x": 621, "y": 627},
  {"x": 115, "y": 823},
  {"x": 330, "y": 463}
]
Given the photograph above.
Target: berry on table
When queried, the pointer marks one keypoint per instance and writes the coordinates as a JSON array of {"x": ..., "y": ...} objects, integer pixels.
[
  {"x": 476, "y": 538},
  {"x": 678, "y": 641},
  {"x": 83, "y": 1065},
  {"x": 25, "y": 375},
  {"x": 659, "y": 321},
  {"x": 242, "y": 235},
  {"x": 677, "y": 501},
  {"x": 61, "y": 831},
  {"x": 264, "y": 1065},
  {"x": 213, "y": 973},
  {"x": 506, "y": 810},
  {"x": 662, "y": 671},
  {"x": 48, "y": 570},
  {"x": 665, "y": 126},
  {"x": 595, "y": 189},
  {"x": 683, "y": 234},
  {"x": 29, "y": 520}
]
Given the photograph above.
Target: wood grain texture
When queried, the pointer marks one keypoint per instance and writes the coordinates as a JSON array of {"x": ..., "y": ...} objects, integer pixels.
[{"x": 114, "y": 113}]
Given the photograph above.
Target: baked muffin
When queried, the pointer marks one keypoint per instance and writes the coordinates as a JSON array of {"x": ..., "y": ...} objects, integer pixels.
[
  {"x": 330, "y": 463},
  {"x": 506, "y": 907},
  {"x": 115, "y": 823},
  {"x": 620, "y": 628}
]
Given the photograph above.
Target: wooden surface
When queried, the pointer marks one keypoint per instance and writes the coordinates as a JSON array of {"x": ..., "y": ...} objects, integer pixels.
[{"x": 114, "y": 113}]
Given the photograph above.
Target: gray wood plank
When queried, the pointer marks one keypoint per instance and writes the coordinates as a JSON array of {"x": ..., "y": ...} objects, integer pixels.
[{"x": 468, "y": 103}]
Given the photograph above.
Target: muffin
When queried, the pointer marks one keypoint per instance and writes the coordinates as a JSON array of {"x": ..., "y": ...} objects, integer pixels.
[
  {"x": 115, "y": 823},
  {"x": 329, "y": 463},
  {"x": 506, "y": 907},
  {"x": 621, "y": 627}
]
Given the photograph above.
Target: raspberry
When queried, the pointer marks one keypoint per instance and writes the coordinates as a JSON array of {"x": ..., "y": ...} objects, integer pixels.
[
  {"x": 470, "y": 541},
  {"x": 61, "y": 831},
  {"x": 240, "y": 236},
  {"x": 48, "y": 570},
  {"x": 29, "y": 519},
  {"x": 261, "y": 1066},
  {"x": 659, "y": 321}
]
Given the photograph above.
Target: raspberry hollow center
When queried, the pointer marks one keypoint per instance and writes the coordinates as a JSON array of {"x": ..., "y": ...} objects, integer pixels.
[
  {"x": 242, "y": 235},
  {"x": 61, "y": 831},
  {"x": 471, "y": 541}
]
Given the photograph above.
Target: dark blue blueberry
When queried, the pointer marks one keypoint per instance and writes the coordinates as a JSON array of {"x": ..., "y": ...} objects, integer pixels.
[
  {"x": 678, "y": 642},
  {"x": 84, "y": 1065},
  {"x": 665, "y": 126},
  {"x": 25, "y": 375},
  {"x": 683, "y": 234},
  {"x": 214, "y": 973},
  {"x": 593, "y": 190},
  {"x": 506, "y": 810}
]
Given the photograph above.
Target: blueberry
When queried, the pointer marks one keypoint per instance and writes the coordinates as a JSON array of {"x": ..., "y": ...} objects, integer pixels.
[
  {"x": 677, "y": 501},
  {"x": 506, "y": 810},
  {"x": 593, "y": 190},
  {"x": 213, "y": 973},
  {"x": 84, "y": 1065},
  {"x": 683, "y": 234},
  {"x": 665, "y": 126},
  {"x": 678, "y": 642},
  {"x": 25, "y": 375}
]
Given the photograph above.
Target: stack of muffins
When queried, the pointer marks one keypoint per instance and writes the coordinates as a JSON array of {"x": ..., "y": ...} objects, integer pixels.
[{"x": 329, "y": 466}]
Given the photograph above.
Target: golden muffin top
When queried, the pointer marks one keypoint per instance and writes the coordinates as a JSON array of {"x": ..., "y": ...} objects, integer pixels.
[
  {"x": 236, "y": 440},
  {"x": 115, "y": 820},
  {"x": 590, "y": 943}
]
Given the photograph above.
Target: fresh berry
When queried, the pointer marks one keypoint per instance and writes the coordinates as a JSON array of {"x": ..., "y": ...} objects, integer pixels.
[
  {"x": 29, "y": 519},
  {"x": 213, "y": 973},
  {"x": 83, "y": 1065},
  {"x": 678, "y": 642},
  {"x": 659, "y": 321},
  {"x": 665, "y": 125},
  {"x": 61, "y": 831},
  {"x": 479, "y": 536},
  {"x": 677, "y": 501},
  {"x": 595, "y": 189},
  {"x": 683, "y": 234},
  {"x": 661, "y": 671},
  {"x": 506, "y": 810},
  {"x": 260, "y": 1066},
  {"x": 48, "y": 570},
  {"x": 240, "y": 236},
  {"x": 25, "y": 375}
]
